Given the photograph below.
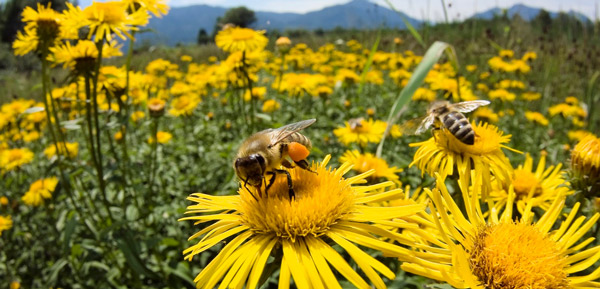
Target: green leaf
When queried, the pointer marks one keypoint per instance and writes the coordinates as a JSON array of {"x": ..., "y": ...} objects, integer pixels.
[
  {"x": 68, "y": 233},
  {"x": 127, "y": 245},
  {"x": 132, "y": 213},
  {"x": 55, "y": 269},
  {"x": 170, "y": 242},
  {"x": 431, "y": 57},
  {"x": 182, "y": 271},
  {"x": 363, "y": 75}
]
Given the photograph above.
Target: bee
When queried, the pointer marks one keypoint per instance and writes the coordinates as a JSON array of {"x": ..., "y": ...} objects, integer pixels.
[
  {"x": 443, "y": 114},
  {"x": 355, "y": 123},
  {"x": 264, "y": 152}
]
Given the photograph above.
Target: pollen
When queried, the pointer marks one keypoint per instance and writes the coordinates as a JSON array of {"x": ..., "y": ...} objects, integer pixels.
[
  {"x": 517, "y": 255},
  {"x": 297, "y": 151},
  {"x": 321, "y": 198}
]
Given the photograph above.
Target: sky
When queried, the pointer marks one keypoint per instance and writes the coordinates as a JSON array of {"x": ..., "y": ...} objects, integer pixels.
[{"x": 419, "y": 9}]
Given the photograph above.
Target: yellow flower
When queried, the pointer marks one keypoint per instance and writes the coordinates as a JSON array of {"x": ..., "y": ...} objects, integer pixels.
[
  {"x": 257, "y": 93},
  {"x": 82, "y": 57},
  {"x": 3, "y": 201},
  {"x": 567, "y": 110},
  {"x": 530, "y": 55},
  {"x": 11, "y": 159},
  {"x": 137, "y": 115},
  {"x": 327, "y": 209},
  {"x": 236, "y": 39},
  {"x": 347, "y": 76},
  {"x": 162, "y": 136},
  {"x": 506, "y": 53},
  {"x": 5, "y": 223},
  {"x": 585, "y": 160},
  {"x": 365, "y": 162},
  {"x": 536, "y": 117},
  {"x": 424, "y": 94},
  {"x": 118, "y": 136},
  {"x": 184, "y": 105},
  {"x": 502, "y": 94},
  {"x": 537, "y": 188},
  {"x": 283, "y": 44},
  {"x": 361, "y": 131},
  {"x": 578, "y": 135},
  {"x": 486, "y": 114},
  {"x": 270, "y": 105},
  {"x": 40, "y": 190},
  {"x": 471, "y": 68},
  {"x": 484, "y": 75},
  {"x": 531, "y": 96},
  {"x": 186, "y": 58},
  {"x": 71, "y": 147},
  {"x": 106, "y": 18},
  {"x": 469, "y": 251},
  {"x": 444, "y": 153},
  {"x": 43, "y": 30}
]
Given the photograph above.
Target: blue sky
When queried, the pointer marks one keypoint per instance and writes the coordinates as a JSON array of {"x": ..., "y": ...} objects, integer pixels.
[{"x": 420, "y": 9}]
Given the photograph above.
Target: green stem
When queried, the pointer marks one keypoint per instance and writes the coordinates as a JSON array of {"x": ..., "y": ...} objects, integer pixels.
[
  {"x": 154, "y": 154},
  {"x": 96, "y": 119}
]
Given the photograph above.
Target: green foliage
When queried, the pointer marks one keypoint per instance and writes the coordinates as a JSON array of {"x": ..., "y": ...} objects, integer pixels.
[{"x": 238, "y": 16}]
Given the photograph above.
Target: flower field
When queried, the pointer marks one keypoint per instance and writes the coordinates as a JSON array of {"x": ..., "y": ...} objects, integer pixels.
[{"x": 130, "y": 169}]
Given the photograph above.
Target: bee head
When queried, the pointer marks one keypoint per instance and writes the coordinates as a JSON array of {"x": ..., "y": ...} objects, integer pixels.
[{"x": 251, "y": 169}]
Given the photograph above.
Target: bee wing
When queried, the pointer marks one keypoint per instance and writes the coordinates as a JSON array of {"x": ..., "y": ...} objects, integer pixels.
[
  {"x": 279, "y": 134},
  {"x": 468, "y": 106},
  {"x": 417, "y": 125}
]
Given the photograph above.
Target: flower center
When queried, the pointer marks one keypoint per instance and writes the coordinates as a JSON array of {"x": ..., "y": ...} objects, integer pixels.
[
  {"x": 15, "y": 155},
  {"x": 242, "y": 34},
  {"x": 524, "y": 182},
  {"x": 517, "y": 255},
  {"x": 321, "y": 199}
]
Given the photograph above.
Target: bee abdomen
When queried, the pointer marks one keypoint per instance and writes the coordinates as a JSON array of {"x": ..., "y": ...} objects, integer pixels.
[
  {"x": 460, "y": 127},
  {"x": 299, "y": 138}
]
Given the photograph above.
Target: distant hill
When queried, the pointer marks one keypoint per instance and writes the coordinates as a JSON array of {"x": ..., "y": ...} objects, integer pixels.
[
  {"x": 182, "y": 24},
  {"x": 526, "y": 12}
]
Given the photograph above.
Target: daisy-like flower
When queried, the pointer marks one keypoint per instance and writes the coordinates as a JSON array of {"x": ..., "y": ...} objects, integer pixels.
[
  {"x": 43, "y": 29},
  {"x": 536, "y": 117},
  {"x": 5, "y": 223},
  {"x": 81, "y": 57},
  {"x": 236, "y": 39},
  {"x": 104, "y": 19},
  {"x": 361, "y": 131},
  {"x": 71, "y": 147},
  {"x": 184, "y": 105},
  {"x": 531, "y": 96},
  {"x": 40, "y": 190},
  {"x": 327, "y": 208},
  {"x": 365, "y": 162},
  {"x": 444, "y": 154},
  {"x": 11, "y": 159},
  {"x": 270, "y": 105},
  {"x": 486, "y": 114},
  {"x": 537, "y": 188},
  {"x": 470, "y": 251},
  {"x": 585, "y": 161},
  {"x": 163, "y": 137},
  {"x": 156, "y": 107}
]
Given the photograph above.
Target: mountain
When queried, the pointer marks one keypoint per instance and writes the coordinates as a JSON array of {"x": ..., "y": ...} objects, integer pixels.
[
  {"x": 182, "y": 24},
  {"x": 526, "y": 12}
]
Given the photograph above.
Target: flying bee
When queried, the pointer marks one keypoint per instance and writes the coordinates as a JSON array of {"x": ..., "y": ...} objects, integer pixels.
[
  {"x": 264, "y": 152},
  {"x": 443, "y": 114}
]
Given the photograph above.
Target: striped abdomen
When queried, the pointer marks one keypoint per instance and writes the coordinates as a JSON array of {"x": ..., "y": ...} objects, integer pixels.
[
  {"x": 299, "y": 138},
  {"x": 459, "y": 126}
]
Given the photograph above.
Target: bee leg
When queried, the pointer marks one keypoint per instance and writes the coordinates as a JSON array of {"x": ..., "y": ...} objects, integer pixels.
[
  {"x": 287, "y": 164},
  {"x": 304, "y": 165},
  {"x": 271, "y": 181},
  {"x": 289, "y": 180},
  {"x": 248, "y": 189}
]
